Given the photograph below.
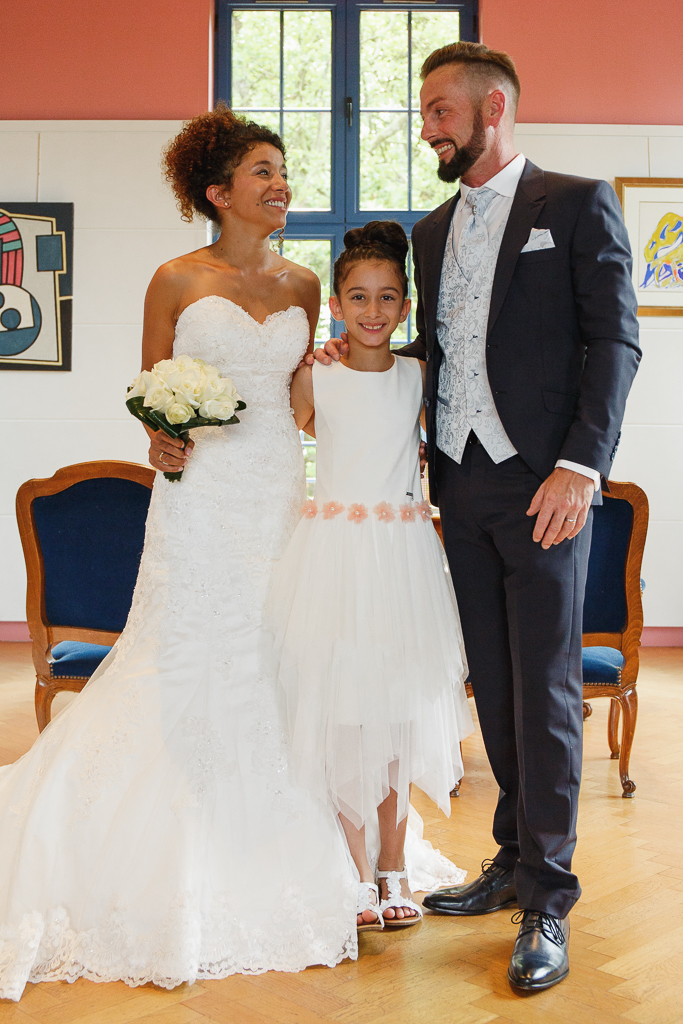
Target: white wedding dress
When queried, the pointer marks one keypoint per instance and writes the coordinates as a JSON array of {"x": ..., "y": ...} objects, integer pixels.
[{"x": 153, "y": 833}]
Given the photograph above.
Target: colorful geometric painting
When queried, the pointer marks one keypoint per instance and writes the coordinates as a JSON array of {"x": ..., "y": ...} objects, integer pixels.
[
  {"x": 36, "y": 251},
  {"x": 664, "y": 254},
  {"x": 653, "y": 214}
]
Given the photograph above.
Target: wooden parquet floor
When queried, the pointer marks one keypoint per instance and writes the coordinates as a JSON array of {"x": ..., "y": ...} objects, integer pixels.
[{"x": 627, "y": 930}]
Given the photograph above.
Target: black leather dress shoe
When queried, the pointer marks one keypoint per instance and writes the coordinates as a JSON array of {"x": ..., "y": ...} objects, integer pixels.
[
  {"x": 493, "y": 890},
  {"x": 541, "y": 955}
]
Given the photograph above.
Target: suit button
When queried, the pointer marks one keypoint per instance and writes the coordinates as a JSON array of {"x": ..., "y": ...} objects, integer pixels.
[
  {"x": 428, "y": 402},
  {"x": 429, "y": 356}
]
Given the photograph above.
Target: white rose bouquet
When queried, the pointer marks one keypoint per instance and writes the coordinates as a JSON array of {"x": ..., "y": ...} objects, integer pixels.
[{"x": 177, "y": 395}]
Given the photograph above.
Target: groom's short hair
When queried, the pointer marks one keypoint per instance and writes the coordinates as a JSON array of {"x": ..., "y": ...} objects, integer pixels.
[{"x": 485, "y": 67}]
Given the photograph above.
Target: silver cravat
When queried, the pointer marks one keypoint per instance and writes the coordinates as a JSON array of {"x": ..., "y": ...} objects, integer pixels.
[{"x": 474, "y": 237}]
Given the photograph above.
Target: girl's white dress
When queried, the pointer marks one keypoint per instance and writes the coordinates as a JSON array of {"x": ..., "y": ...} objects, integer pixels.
[{"x": 363, "y": 610}]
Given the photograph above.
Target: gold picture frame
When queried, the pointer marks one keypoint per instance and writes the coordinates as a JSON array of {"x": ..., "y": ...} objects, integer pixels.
[{"x": 653, "y": 212}]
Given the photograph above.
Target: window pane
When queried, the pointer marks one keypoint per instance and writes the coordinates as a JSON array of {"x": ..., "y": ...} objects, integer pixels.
[
  {"x": 308, "y": 59},
  {"x": 430, "y": 30},
  {"x": 383, "y": 59},
  {"x": 267, "y": 118},
  {"x": 428, "y": 191},
  {"x": 255, "y": 59},
  {"x": 308, "y": 141},
  {"x": 314, "y": 253},
  {"x": 384, "y": 161}
]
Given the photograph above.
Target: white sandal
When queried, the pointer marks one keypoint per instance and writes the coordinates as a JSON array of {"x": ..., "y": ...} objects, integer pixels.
[
  {"x": 396, "y": 899},
  {"x": 365, "y": 890}
]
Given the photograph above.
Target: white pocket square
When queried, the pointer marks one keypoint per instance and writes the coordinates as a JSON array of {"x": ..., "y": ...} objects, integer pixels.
[{"x": 540, "y": 238}]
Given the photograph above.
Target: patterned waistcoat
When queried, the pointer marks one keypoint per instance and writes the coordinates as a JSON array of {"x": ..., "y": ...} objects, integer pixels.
[{"x": 465, "y": 401}]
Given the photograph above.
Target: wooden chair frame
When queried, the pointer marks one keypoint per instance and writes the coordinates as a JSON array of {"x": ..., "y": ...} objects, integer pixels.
[
  {"x": 43, "y": 634},
  {"x": 624, "y": 698},
  {"x": 623, "y": 694}
]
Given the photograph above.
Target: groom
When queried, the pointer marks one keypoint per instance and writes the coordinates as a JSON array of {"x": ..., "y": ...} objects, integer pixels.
[{"x": 526, "y": 317}]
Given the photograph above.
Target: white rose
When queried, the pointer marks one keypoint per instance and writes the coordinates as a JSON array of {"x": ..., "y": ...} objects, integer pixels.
[
  {"x": 189, "y": 388},
  {"x": 222, "y": 408},
  {"x": 158, "y": 397},
  {"x": 207, "y": 369},
  {"x": 174, "y": 371},
  {"x": 140, "y": 384},
  {"x": 212, "y": 387},
  {"x": 180, "y": 412}
]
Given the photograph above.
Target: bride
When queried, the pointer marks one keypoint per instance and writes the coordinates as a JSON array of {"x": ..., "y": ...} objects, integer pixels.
[{"x": 153, "y": 832}]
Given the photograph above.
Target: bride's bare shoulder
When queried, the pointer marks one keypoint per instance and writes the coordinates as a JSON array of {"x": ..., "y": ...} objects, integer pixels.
[
  {"x": 182, "y": 269},
  {"x": 303, "y": 281}
]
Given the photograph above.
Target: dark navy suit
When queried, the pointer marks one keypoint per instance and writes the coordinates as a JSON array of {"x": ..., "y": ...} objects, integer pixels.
[{"x": 561, "y": 352}]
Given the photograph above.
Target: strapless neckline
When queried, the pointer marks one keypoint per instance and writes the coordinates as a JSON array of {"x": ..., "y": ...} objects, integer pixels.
[{"x": 259, "y": 323}]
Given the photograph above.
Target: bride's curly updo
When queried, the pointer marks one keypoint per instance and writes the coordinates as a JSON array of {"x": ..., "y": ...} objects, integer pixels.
[
  {"x": 383, "y": 240},
  {"x": 206, "y": 152}
]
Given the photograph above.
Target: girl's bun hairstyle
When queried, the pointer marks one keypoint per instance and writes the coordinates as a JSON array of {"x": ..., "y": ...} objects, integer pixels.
[
  {"x": 378, "y": 240},
  {"x": 207, "y": 152}
]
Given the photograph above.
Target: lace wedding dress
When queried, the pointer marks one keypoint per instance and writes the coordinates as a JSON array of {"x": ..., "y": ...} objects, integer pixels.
[{"x": 153, "y": 832}]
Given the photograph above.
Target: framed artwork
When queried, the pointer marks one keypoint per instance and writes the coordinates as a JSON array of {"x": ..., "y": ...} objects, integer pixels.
[
  {"x": 653, "y": 211},
  {"x": 36, "y": 256}
]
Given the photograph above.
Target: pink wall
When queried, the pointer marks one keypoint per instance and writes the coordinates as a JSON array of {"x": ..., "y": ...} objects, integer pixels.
[
  {"x": 584, "y": 61},
  {"x": 104, "y": 59},
  {"x": 591, "y": 61}
]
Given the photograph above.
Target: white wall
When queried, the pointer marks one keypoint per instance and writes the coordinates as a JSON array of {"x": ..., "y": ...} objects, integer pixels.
[{"x": 126, "y": 225}]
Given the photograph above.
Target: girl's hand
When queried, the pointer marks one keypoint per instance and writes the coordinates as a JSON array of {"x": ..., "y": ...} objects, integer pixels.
[{"x": 423, "y": 457}]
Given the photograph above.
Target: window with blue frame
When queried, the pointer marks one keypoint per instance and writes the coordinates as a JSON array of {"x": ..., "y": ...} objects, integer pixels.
[{"x": 340, "y": 82}]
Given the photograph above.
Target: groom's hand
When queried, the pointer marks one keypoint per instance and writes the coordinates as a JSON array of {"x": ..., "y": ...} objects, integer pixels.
[
  {"x": 335, "y": 348},
  {"x": 561, "y": 504}
]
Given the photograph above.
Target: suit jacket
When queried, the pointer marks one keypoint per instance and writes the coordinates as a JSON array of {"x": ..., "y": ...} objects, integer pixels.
[{"x": 562, "y": 338}]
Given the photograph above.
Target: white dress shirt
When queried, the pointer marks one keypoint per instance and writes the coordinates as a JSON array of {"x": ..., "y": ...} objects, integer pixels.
[{"x": 505, "y": 183}]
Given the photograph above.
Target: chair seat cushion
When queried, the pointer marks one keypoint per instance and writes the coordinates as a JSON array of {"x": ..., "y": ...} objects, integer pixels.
[
  {"x": 74, "y": 660},
  {"x": 602, "y": 666}
]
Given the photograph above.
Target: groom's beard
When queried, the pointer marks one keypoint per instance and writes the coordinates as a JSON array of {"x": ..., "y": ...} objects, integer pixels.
[{"x": 465, "y": 156}]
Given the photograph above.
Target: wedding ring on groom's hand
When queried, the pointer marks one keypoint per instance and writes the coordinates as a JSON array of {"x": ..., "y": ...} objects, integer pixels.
[{"x": 571, "y": 520}]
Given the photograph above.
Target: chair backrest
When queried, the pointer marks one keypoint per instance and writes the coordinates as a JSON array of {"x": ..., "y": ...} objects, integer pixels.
[
  {"x": 613, "y": 611},
  {"x": 82, "y": 532}
]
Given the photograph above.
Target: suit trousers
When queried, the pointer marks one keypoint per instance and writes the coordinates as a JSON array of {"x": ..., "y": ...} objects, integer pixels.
[{"x": 521, "y": 610}]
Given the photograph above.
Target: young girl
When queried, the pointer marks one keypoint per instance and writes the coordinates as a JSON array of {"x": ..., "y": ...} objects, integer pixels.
[{"x": 363, "y": 611}]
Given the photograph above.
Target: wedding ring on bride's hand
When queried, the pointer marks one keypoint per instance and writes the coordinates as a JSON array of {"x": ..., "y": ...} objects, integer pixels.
[
  {"x": 571, "y": 520},
  {"x": 161, "y": 458}
]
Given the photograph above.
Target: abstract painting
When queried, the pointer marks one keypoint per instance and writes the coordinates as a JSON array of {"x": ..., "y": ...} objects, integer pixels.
[
  {"x": 36, "y": 253},
  {"x": 653, "y": 212}
]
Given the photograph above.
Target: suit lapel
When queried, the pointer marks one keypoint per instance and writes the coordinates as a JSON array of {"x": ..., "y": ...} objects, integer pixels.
[
  {"x": 432, "y": 260},
  {"x": 528, "y": 202}
]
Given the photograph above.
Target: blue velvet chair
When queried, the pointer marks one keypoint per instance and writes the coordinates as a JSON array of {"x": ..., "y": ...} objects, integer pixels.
[
  {"x": 613, "y": 615},
  {"x": 82, "y": 532}
]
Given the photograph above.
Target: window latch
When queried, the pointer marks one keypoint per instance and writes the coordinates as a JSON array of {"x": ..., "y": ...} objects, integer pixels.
[{"x": 349, "y": 111}]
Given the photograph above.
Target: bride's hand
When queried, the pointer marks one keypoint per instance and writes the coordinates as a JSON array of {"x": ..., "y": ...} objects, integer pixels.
[
  {"x": 167, "y": 454},
  {"x": 334, "y": 348}
]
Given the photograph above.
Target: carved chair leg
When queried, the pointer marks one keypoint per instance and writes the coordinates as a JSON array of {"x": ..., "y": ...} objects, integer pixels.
[
  {"x": 587, "y": 710},
  {"x": 45, "y": 694},
  {"x": 456, "y": 789},
  {"x": 629, "y": 706},
  {"x": 613, "y": 728}
]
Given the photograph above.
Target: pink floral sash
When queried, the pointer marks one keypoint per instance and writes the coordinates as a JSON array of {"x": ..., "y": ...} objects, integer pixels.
[{"x": 385, "y": 512}]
